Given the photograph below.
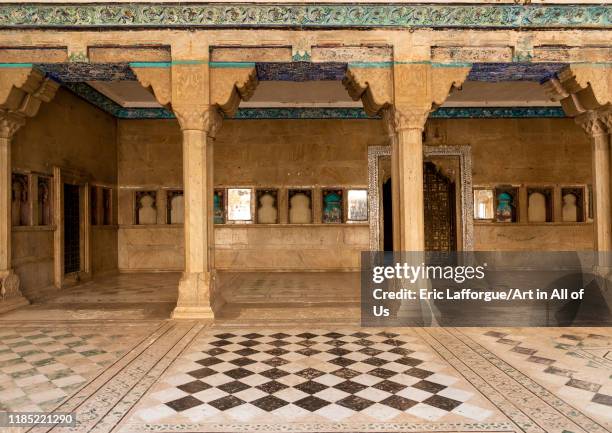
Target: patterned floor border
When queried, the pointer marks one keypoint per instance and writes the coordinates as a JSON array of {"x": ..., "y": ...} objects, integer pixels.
[
  {"x": 545, "y": 411},
  {"x": 105, "y": 403},
  {"x": 529, "y": 384}
]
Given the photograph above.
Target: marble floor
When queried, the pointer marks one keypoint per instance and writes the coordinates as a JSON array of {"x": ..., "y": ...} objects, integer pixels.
[{"x": 118, "y": 362}]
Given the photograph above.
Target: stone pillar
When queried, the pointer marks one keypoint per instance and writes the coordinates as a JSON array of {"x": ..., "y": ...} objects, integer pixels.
[
  {"x": 22, "y": 90},
  {"x": 594, "y": 125},
  {"x": 196, "y": 288},
  {"x": 199, "y": 96},
  {"x": 407, "y": 165},
  {"x": 10, "y": 294},
  {"x": 418, "y": 89}
]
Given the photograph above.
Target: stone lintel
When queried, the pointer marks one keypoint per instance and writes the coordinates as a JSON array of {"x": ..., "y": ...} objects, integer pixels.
[
  {"x": 471, "y": 54},
  {"x": 33, "y": 54},
  {"x": 127, "y": 54},
  {"x": 250, "y": 54}
]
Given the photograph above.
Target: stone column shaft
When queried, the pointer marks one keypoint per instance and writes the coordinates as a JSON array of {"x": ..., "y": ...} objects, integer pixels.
[
  {"x": 410, "y": 159},
  {"x": 407, "y": 175},
  {"x": 196, "y": 202},
  {"x": 5, "y": 205},
  {"x": 601, "y": 187}
]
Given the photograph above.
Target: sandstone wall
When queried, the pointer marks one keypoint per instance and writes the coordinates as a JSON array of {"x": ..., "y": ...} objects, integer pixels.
[
  {"x": 70, "y": 133},
  {"x": 280, "y": 154},
  {"x": 523, "y": 152},
  {"x": 319, "y": 153}
]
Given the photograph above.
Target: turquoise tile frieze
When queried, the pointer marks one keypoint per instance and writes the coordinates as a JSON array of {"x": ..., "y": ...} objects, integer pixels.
[
  {"x": 495, "y": 112},
  {"x": 244, "y": 15}
]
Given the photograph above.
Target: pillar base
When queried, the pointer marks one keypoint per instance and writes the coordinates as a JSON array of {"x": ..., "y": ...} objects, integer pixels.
[
  {"x": 195, "y": 297},
  {"x": 11, "y": 297},
  {"x": 193, "y": 313}
]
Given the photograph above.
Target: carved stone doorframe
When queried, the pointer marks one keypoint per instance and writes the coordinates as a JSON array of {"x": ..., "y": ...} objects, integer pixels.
[
  {"x": 63, "y": 176},
  {"x": 464, "y": 153}
]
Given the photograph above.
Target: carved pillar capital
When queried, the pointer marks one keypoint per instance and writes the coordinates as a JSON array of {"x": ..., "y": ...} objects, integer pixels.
[
  {"x": 199, "y": 117},
  {"x": 406, "y": 117},
  {"x": 10, "y": 122},
  {"x": 595, "y": 123}
]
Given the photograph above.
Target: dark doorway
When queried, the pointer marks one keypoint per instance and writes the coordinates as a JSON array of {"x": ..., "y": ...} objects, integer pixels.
[
  {"x": 439, "y": 197},
  {"x": 72, "y": 229},
  {"x": 387, "y": 205},
  {"x": 440, "y": 222}
]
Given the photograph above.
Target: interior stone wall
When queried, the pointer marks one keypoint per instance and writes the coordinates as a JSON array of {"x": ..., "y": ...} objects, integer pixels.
[
  {"x": 523, "y": 152},
  {"x": 292, "y": 153},
  {"x": 70, "y": 133},
  {"x": 251, "y": 153}
]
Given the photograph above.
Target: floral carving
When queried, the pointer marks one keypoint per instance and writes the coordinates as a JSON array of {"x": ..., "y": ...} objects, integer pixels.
[
  {"x": 409, "y": 118},
  {"x": 305, "y": 15},
  {"x": 199, "y": 117}
]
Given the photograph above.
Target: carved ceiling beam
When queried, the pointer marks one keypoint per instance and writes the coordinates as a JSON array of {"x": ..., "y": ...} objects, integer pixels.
[
  {"x": 373, "y": 85},
  {"x": 229, "y": 86},
  {"x": 22, "y": 91},
  {"x": 226, "y": 86},
  {"x": 158, "y": 80},
  {"x": 581, "y": 88}
]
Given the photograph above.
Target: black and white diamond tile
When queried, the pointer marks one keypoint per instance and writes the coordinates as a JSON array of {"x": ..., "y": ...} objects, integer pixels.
[{"x": 292, "y": 376}]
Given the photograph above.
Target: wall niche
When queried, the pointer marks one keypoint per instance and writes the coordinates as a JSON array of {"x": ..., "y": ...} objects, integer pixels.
[
  {"x": 332, "y": 206},
  {"x": 506, "y": 204},
  {"x": 300, "y": 206},
  {"x": 45, "y": 202},
  {"x": 539, "y": 205},
  {"x": 93, "y": 205},
  {"x": 146, "y": 207},
  {"x": 572, "y": 204},
  {"x": 267, "y": 206},
  {"x": 219, "y": 206},
  {"x": 20, "y": 209},
  {"x": 107, "y": 206},
  {"x": 175, "y": 213}
]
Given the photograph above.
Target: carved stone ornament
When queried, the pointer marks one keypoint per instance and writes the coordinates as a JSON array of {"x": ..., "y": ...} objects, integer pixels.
[
  {"x": 158, "y": 80},
  {"x": 580, "y": 88},
  {"x": 22, "y": 91},
  {"x": 374, "y": 86},
  {"x": 199, "y": 117},
  {"x": 10, "y": 122},
  {"x": 595, "y": 123},
  {"x": 409, "y": 117},
  {"x": 229, "y": 86},
  {"x": 10, "y": 286}
]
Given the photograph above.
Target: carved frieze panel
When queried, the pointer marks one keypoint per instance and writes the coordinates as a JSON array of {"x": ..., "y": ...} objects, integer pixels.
[
  {"x": 352, "y": 54},
  {"x": 250, "y": 54},
  {"x": 471, "y": 54}
]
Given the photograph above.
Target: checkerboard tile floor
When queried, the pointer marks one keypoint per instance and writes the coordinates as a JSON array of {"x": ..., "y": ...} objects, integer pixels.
[
  {"x": 296, "y": 376},
  {"x": 40, "y": 367},
  {"x": 575, "y": 364}
]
